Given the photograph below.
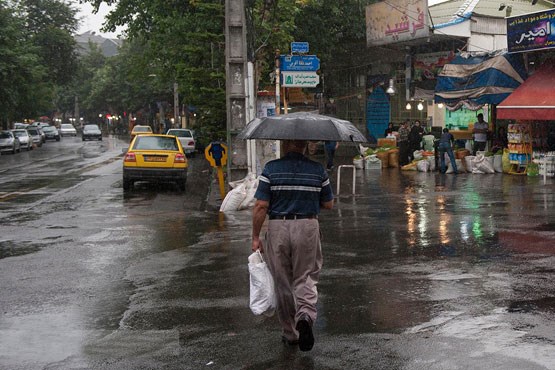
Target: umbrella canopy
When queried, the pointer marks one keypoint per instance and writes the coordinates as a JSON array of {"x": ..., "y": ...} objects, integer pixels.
[
  {"x": 302, "y": 126},
  {"x": 534, "y": 99}
]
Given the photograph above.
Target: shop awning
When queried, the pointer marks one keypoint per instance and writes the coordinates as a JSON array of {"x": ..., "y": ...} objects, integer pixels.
[
  {"x": 534, "y": 99},
  {"x": 478, "y": 80}
]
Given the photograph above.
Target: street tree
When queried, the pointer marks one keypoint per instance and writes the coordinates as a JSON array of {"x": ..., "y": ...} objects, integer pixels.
[{"x": 21, "y": 74}]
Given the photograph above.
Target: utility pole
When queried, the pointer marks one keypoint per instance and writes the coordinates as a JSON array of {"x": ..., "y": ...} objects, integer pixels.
[
  {"x": 236, "y": 87},
  {"x": 76, "y": 112},
  {"x": 176, "y": 119}
]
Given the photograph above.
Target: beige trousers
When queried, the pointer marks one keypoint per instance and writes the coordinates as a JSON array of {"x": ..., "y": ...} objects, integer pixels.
[{"x": 294, "y": 255}]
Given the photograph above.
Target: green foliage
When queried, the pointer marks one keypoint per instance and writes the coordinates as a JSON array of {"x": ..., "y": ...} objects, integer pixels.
[
  {"x": 167, "y": 42},
  {"x": 21, "y": 90},
  {"x": 37, "y": 56}
]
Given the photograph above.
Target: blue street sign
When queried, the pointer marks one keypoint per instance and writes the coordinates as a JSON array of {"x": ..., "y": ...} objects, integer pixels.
[
  {"x": 299, "y": 47},
  {"x": 299, "y": 63}
]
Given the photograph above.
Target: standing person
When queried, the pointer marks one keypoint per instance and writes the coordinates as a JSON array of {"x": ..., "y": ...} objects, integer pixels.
[
  {"x": 480, "y": 134},
  {"x": 403, "y": 142},
  {"x": 389, "y": 130},
  {"x": 330, "y": 148},
  {"x": 446, "y": 146},
  {"x": 291, "y": 191},
  {"x": 415, "y": 137}
]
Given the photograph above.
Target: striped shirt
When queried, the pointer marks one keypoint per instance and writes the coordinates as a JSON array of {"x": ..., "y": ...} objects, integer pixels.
[{"x": 294, "y": 185}]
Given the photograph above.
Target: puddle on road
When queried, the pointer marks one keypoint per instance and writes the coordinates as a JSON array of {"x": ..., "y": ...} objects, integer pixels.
[
  {"x": 10, "y": 249},
  {"x": 533, "y": 306}
]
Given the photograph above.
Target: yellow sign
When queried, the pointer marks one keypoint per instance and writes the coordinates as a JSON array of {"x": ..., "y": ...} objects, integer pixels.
[{"x": 216, "y": 154}]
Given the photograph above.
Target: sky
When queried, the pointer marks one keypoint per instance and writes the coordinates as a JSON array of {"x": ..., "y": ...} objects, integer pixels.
[{"x": 90, "y": 21}]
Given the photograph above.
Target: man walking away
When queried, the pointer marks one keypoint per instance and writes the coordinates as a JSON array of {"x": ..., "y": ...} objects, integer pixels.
[
  {"x": 291, "y": 191},
  {"x": 480, "y": 134}
]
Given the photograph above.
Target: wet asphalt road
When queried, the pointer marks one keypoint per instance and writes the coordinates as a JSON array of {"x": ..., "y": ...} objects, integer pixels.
[{"x": 421, "y": 271}]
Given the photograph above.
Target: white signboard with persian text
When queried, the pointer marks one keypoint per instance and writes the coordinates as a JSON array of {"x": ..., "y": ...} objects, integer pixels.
[
  {"x": 300, "y": 79},
  {"x": 392, "y": 21}
]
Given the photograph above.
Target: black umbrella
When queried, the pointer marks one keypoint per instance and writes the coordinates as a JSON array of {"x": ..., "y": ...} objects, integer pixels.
[{"x": 302, "y": 126}]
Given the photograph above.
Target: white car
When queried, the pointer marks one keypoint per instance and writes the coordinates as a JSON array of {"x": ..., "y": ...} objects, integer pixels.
[
  {"x": 186, "y": 138},
  {"x": 67, "y": 129},
  {"x": 24, "y": 138}
]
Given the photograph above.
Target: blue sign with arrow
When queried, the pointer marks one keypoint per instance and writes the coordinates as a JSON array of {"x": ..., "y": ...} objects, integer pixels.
[{"x": 299, "y": 63}]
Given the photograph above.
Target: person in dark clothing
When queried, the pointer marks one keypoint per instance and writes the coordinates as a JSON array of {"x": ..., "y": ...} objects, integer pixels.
[
  {"x": 403, "y": 143},
  {"x": 330, "y": 147},
  {"x": 446, "y": 146},
  {"x": 415, "y": 137},
  {"x": 389, "y": 130}
]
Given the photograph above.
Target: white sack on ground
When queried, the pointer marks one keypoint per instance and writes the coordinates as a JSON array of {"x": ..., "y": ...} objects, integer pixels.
[
  {"x": 498, "y": 163},
  {"x": 242, "y": 194},
  {"x": 422, "y": 166}
]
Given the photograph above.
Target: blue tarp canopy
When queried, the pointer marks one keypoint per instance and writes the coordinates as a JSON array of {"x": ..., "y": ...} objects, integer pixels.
[{"x": 478, "y": 80}]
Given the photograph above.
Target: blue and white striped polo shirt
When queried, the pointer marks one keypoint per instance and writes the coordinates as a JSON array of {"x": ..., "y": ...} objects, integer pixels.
[{"x": 295, "y": 185}]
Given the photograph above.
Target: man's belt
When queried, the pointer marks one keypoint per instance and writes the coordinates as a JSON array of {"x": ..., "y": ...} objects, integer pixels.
[{"x": 292, "y": 217}]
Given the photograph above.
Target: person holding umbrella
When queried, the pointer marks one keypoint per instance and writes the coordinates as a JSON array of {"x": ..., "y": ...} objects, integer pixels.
[{"x": 292, "y": 190}]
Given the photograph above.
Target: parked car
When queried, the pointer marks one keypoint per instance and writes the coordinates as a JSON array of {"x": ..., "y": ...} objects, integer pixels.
[
  {"x": 67, "y": 129},
  {"x": 35, "y": 134},
  {"x": 140, "y": 129},
  {"x": 186, "y": 138},
  {"x": 25, "y": 140},
  {"x": 19, "y": 125},
  {"x": 155, "y": 157},
  {"x": 91, "y": 132},
  {"x": 51, "y": 133},
  {"x": 8, "y": 142}
]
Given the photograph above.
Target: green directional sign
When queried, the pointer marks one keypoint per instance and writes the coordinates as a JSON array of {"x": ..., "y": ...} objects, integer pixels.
[{"x": 300, "y": 79}]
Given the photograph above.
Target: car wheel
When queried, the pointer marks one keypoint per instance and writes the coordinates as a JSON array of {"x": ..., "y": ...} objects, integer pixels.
[
  {"x": 83, "y": 139},
  {"x": 58, "y": 139},
  {"x": 127, "y": 184},
  {"x": 99, "y": 139}
]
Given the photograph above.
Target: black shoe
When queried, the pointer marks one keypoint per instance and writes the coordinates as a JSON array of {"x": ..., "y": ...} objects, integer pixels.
[
  {"x": 306, "y": 338},
  {"x": 290, "y": 342}
]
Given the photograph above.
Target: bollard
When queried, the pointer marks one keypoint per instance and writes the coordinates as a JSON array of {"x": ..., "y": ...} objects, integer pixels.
[{"x": 339, "y": 176}]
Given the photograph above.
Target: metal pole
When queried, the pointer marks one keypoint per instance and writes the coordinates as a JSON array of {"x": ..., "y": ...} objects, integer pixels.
[{"x": 278, "y": 73}]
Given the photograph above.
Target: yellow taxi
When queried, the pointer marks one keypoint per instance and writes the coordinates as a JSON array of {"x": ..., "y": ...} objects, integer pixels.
[
  {"x": 140, "y": 129},
  {"x": 155, "y": 158}
]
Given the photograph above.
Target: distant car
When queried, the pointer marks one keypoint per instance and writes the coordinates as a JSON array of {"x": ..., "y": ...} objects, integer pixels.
[
  {"x": 186, "y": 138},
  {"x": 24, "y": 138},
  {"x": 67, "y": 129},
  {"x": 140, "y": 129},
  {"x": 91, "y": 132},
  {"x": 8, "y": 142},
  {"x": 51, "y": 133},
  {"x": 19, "y": 125},
  {"x": 154, "y": 157},
  {"x": 35, "y": 134}
]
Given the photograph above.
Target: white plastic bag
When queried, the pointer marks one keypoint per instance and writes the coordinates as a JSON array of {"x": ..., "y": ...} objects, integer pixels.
[{"x": 262, "y": 293}]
